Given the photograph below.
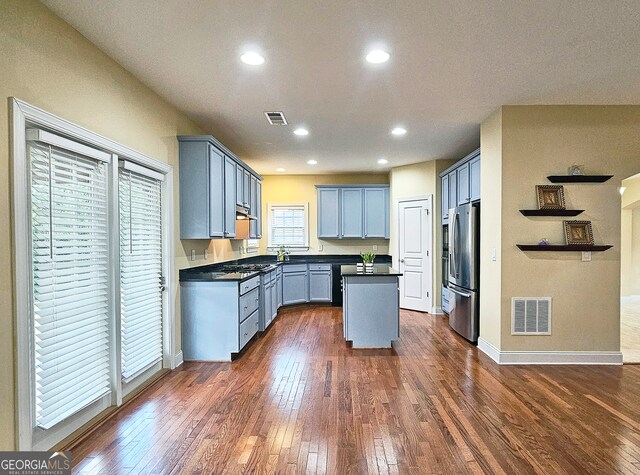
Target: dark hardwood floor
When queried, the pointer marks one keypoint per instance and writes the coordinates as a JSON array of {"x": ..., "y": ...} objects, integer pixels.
[{"x": 299, "y": 401}]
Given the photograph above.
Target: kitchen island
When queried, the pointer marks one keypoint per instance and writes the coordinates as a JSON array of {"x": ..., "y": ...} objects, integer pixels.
[{"x": 371, "y": 306}]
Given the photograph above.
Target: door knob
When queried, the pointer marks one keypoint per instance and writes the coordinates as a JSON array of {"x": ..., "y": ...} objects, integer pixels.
[{"x": 402, "y": 260}]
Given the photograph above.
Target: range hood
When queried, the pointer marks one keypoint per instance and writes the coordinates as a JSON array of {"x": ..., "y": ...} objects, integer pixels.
[{"x": 243, "y": 213}]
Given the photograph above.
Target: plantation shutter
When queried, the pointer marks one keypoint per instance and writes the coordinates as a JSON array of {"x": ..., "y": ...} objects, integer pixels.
[
  {"x": 141, "y": 281},
  {"x": 288, "y": 226},
  {"x": 71, "y": 282}
]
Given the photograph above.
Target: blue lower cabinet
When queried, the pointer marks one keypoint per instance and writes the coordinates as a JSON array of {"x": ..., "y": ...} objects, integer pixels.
[
  {"x": 294, "y": 287},
  {"x": 218, "y": 318},
  {"x": 320, "y": 283}
]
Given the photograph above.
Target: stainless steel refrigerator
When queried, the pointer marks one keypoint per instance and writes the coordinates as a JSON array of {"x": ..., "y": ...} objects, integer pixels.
[{"x": 464, "y": 276}]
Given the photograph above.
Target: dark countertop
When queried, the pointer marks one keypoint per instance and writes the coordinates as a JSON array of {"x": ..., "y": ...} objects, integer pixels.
[
  {"x": 214, "y": 272},
  {"x": 211, "y": 276},
  {"x": 378, "y": 270}
]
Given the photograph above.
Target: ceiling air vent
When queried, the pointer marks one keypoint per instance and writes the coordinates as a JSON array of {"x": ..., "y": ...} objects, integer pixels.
[
  {"x": 276, "y": 118},
  {"x": 531, "y": 316}
]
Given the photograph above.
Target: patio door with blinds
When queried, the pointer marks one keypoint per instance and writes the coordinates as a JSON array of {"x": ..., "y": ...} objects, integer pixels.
[
  {"x": 71, "y": 293},
  {"x": 141, "y": 281},
  {"x": 94, "y": 324}
]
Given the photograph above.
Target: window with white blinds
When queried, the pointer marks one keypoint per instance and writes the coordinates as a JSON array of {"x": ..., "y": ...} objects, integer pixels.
[
  {"x": 71, "y": 281},
  {"x": 288, "y": 225},
  {"x": 141, "y": 282}
]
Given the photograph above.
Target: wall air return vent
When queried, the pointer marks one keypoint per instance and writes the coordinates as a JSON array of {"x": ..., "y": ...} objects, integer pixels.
[
  {"x": 276, "y": 118},
  {"x": 531, "y": 316}
]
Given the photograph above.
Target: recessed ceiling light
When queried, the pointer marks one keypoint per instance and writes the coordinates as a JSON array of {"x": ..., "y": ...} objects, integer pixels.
[
  {"x": 383, "y": 161},
  {"x": 398, "y": 131},
  {"x": 280, "y": 170},
  {"x": 377, "y": 56},
  {"x": 301, "y": 131},
  {"x": 252, "y": 58},
  {"x": 312, "y": 162}
]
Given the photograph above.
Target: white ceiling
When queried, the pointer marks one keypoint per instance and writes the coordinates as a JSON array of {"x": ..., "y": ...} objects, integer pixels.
[{"x": 453, "y": 62}]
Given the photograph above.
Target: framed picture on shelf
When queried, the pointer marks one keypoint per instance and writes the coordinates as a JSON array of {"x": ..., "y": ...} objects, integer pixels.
[
  {"x": 578, "y": 232},
  {"x": 550, "y": 196}
]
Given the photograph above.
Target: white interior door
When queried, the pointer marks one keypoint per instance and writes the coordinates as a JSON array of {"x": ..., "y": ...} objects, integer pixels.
[{"x": 414, "y": 254}]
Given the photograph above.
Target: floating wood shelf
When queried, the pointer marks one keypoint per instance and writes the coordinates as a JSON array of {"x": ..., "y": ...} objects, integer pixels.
[
  {"x": 579, "y": 178},
  {"x": 551, "y": 212},
  {"x": 563, "y": 247}
]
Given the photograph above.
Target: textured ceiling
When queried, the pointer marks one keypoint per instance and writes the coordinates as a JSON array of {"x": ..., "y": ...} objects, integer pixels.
[{"x": 452, "y": 63}]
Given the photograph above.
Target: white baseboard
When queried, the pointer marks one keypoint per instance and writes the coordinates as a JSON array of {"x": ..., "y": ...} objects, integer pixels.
[
  {"x": 549, "y": 357},
  {"x": 177, "y": 359},
  {"x": 436, "y": 311}
]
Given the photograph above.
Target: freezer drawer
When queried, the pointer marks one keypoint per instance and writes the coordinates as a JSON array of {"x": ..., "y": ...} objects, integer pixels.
[{"x": 463, "y": 312}]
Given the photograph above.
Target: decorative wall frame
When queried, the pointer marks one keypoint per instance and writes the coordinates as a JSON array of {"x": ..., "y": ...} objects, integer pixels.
[
  {"x": 578, "y": 232},
  {"x": 550, "y": 196}
]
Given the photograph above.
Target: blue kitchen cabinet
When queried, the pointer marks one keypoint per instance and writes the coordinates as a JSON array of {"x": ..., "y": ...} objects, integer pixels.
[
  {"x": 209, "y": 178},
  {"x": 239, "y": 186},
  {"x": 319, "y": 283},
  {"x": 295, "y": 284},
  {"x": 353, "y": 211},
  {"x": 253, "y": 207},
  {"x": 246, "y": 189},
  {"x": 387, "y": 212},
  {"x": 463, "y": 184},
  {"x": 259, "y": 210},
  {"x": 375, "y": 212},
  {"x": 474, "y": 179},
  {"x": 453, "y": 189},
  {"x": 279, "y": 287},
  {"x": 218, "y": 318},
  {"x": 328, "y": 213},
  {"x": 229, "y": 198},
  {"x": 351, "y": 216},
  {"x": 444, "y": 193}
]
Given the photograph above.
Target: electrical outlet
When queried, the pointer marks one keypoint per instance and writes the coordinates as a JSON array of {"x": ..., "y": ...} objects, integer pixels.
[
  {"x": 320, "y": 247},
  {"x": 206, "y": 253},
  {"x": 586, "y": 256},
  {"x": 375, "y": 248},
  {"x": 193, "y": 254}
]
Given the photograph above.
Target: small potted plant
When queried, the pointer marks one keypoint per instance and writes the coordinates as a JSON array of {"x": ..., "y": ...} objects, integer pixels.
[
  {"x": 282, "y": 253},
  {"x": 367, "y": 258}
]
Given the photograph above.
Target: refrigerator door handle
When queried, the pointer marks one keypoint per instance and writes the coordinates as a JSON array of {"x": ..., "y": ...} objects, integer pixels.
[
  {"x": 456, "y": 223},
  {"x": 462, "y": 294}
]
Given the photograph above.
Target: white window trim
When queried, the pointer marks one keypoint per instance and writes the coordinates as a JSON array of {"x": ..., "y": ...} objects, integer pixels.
[
  {"x": 22, "y": 114},
  {"x": 270, "y": 245}
]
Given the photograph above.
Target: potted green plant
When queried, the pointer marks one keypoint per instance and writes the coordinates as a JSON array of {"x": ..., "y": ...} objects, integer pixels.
[
  {"x": 282, "y": 253},
  {"x": 368, "y": 258}
]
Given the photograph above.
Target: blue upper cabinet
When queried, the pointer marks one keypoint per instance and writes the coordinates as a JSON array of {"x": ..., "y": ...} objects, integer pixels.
[
  {"x": 259, "y": 210},
  {"x": 229, "y": 198},
  {"x": 351, "y": 222},
  {"x": 444, "y": 202},
  {"x": 460, "y": 184},
  {"x": 216, "y": 193},
  {"x": 463, "y": 184},
  {"x": 253, "y": 207},
  {"x": 375, "y": 217},
  {"x": 474, "y": 174},
  {"x": 239, "y": 185},
  {"x": 328, "y": 213},
  {"x": 209, "y": 177},
  {"x": 353, "y": 211}
]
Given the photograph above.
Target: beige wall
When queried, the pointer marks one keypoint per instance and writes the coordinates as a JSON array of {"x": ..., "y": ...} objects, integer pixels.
[
  {"x": 630, "y": 238},
  {"x": 420, "y": 179},
  {"x": 538, "y": 141},
  {"x": 301, "y": 189},
  {"x": 47, "y": 63},
  {"x": 490, "y": 228}
]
